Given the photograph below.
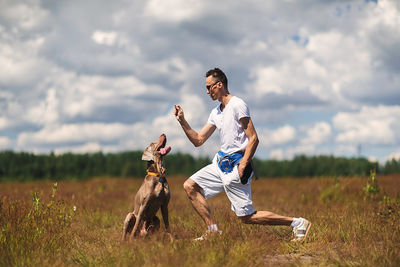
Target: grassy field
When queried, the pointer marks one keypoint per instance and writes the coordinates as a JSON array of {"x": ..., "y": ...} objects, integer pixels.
[{"x": 80, "y": 223}]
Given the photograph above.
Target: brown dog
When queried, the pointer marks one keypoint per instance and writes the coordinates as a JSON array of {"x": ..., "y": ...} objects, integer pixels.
[{"x": 152, "y": 195}]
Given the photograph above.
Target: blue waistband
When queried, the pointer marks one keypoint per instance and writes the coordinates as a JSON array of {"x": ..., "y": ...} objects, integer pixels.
[{"x": 226, "y": 161}]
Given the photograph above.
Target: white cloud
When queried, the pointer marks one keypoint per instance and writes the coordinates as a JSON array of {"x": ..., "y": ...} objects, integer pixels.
[
  {"x": 290, "y": 152},
  {"x": 22, "y": 15},
  {"x": 173, "y": 10},
  {"x": 106, "y": 38},
  {"x": 343, "y": 64},
  {"x": 195, "y": 110},
  {"x": 280, "y": 136},
  {"x": 320, "y": 133},
  {"x": 86, "y": 95},
  {"x": 386, "y": 13},
  {"x": 69, "y": 133},
  {"x": 276, "y": 154},
  {"x": 177, "y": 69},
  {"x": 5, "y": 142},
  {"x": 113, "y": 38},
  {"x": 269, "y": 80},
  {"x": 10, "y": 111},
  {"x": 4, "y": 123},
  {"x": 371, "y": 125},
  {"x": 319, "y": 67},
  {"x": 46, "y": 113},
  {"x": 314, "y": 69},
  {"x": 21, "y": 66}
]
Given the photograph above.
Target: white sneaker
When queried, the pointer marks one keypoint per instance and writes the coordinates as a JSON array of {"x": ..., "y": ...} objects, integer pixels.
[
  {"x": 208, "y": 234},
  {"x": 300, "y": 232}
]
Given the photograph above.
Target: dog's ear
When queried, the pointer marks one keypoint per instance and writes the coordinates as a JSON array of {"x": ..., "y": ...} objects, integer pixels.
[{"x": 148, "y": 154}]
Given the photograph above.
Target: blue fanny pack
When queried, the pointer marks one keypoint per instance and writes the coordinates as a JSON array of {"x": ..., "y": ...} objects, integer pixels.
[{"x": 226, "y": 162}]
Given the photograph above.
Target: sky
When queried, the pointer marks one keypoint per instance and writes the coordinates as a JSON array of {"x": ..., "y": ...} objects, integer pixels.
[{"x": 319, "y": 77}]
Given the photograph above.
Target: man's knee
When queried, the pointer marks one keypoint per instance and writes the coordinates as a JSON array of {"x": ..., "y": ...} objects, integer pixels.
[{"x": 190, "y": 186}]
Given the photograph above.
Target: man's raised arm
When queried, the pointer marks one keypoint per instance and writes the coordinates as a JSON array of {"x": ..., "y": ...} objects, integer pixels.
[{"x": 197, "y": 139}]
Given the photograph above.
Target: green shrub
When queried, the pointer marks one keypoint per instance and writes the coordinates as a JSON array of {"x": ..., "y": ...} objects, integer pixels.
[{"x": 371, "y": 188}]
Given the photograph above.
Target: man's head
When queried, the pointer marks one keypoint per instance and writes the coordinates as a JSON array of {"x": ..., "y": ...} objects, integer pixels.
[
  {"x": 216, "y": 83},
  {"x": 218, "y": 75}
]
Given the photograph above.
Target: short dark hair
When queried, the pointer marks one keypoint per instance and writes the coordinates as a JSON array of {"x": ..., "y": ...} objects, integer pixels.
[{"x": 219, "y": 74}]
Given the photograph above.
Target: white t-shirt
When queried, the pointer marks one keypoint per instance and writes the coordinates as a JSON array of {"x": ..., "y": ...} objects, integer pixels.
[{"x": 231, "y": 132}]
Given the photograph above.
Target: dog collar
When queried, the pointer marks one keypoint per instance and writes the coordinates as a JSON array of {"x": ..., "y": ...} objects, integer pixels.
[
  {"x": 154, "y": 174},
  {"x": 161, "y": 178}
]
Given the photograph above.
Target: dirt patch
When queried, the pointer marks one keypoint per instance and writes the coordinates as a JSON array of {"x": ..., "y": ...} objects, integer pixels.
[{"x": 288, "y": 259}]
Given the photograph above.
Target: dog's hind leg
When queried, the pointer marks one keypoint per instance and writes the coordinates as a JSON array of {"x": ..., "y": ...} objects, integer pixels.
[
  {"x": 153, "y": 225},
  {"x": 139, "y": 221},
  {"x": 128, "y": 225}
]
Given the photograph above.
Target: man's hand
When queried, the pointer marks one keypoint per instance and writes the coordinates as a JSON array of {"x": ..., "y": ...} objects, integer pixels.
[
  {"x": 178, "y": 112},
  {"x": 241, "y": 168}
]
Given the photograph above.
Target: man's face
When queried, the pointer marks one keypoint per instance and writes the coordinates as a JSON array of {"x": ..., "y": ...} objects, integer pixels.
[{"x": 213, "y": 87}]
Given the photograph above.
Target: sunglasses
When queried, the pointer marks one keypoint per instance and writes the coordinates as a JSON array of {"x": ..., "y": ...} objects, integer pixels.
[{"x": 212, "y": 85}]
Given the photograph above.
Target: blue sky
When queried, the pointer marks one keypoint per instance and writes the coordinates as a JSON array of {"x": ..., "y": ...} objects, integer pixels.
[{"x": 320, "y": 77}]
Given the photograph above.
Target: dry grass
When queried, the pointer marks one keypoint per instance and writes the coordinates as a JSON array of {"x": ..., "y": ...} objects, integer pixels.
[{"x": 349, "y": 226}]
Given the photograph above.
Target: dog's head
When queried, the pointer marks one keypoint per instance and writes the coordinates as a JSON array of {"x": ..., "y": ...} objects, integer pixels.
[{"x": 154, "y": 154}]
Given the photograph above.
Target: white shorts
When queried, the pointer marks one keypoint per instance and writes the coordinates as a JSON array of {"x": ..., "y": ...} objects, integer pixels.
[{"x": 213, "y": 181}]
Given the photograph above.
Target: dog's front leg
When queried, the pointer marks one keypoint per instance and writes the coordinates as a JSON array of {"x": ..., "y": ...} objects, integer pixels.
[{"x": 164, "y": 212}]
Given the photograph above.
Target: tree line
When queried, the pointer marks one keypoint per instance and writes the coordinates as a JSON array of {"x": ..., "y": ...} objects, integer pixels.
[{"x": 23, "y": 166}]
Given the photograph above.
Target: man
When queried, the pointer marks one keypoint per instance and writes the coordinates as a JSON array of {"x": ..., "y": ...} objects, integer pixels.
[{"x": 231, "y": 168}]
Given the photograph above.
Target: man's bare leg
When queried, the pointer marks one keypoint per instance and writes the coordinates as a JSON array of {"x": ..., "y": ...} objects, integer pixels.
[
  {"x": 198, "y": 201},
  {"x": 300, "y": 226},
  {"x": 267, "y": 218}
]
